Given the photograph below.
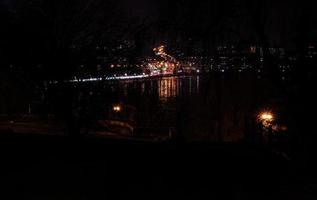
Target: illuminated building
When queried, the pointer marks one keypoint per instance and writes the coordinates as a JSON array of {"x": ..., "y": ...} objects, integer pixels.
[{"x": 165, "y": 65}]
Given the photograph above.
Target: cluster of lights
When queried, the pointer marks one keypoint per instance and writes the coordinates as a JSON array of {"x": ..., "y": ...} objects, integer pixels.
[
  {"x": 165, "y": 67},
  {"x": 119, "y": 65},
  {"x": 160, "y": 51},
  {"x": 114, "y": 77},
  {"x": 116, "y": 108}
]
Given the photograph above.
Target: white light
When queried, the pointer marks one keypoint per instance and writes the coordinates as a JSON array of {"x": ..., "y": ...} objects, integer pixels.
[
  {"x": 117, "y": 108},
  {"x": 266, "y": 116}
]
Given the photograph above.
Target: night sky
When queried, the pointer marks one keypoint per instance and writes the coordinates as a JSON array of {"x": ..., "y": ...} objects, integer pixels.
[
  {"x": 214, "y": 22},
  {"x": 282, "y": 20}
]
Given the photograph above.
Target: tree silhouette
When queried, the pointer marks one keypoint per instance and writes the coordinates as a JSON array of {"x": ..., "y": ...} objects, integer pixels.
[{"x": 48, "y": 40}]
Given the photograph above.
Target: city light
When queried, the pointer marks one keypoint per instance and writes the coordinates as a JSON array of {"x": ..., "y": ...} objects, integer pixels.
[
  {"x": 166, "y": 66},
  {"x": 117, "y": 108},
  {"x": 266, "y": 118}
]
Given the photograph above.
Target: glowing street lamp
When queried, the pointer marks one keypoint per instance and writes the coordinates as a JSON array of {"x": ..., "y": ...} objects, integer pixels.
[
  {"x": 116, "y": 108},
  {"x": 266, "y": 118}
]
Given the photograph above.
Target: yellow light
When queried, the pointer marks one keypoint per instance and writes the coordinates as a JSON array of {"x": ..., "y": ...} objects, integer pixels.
[
  {"x": 116, "y": 108},
  {"x": 266, "y": 116}
]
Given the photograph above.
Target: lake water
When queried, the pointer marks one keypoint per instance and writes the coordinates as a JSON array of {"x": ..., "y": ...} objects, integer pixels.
[
  {"x": 203, "y": 107},
  {"x": 199, "y": 107}
]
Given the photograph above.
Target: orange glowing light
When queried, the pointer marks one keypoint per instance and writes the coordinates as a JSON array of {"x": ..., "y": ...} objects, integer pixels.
[
  {"x": 117, "y": 108},
  {"x": 267, "y": 116}
]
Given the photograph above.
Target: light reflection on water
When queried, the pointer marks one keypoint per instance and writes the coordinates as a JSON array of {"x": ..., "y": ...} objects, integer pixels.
[
  {"x": 168, "y": 87},
  {"x": 202, "y": 105},
  {"x": 164, "y": 88}
]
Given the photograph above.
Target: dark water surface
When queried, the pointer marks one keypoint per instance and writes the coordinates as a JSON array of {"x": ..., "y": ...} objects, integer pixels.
[{"x": 198, "y": 107}]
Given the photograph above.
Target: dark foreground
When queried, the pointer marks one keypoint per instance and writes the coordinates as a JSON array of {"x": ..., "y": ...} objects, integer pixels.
[{"x": 50, "y": 167}]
